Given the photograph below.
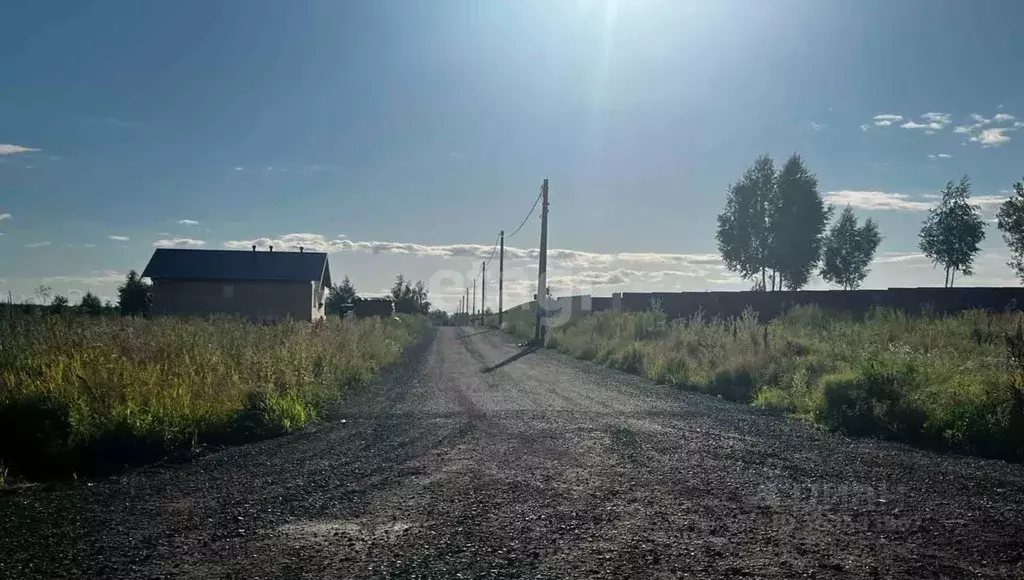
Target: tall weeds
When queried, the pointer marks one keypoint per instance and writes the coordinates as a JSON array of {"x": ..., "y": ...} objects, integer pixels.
[
  {"x": 953, "y": 382},
  {"x": 89, "y": 394}
]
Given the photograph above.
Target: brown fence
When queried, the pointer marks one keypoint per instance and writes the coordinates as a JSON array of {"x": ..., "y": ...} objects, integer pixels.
[{"x": 771, "y": 304}]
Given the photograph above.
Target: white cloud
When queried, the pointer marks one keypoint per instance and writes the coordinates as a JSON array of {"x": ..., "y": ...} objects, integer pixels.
[
  {"x": 5, "y": 216},
  {"x": 239, "y": 168},
  {"x": 188, "y": 222},
  {"x": 915, "y": 125},
  {"x": 37, "y": 244},
  {"x": 575, "y": 259},
  {"x": 1003, "y": 118},
  {"x": 939, "y": 156},
  {"x": 817, "y": 126},
  {"x": 884, "y": 120},
  {"x": 941, "y": 118},
  {"x": 932, "y": 122},
  {"x": 962, "y": 129},
  {"x": 992, "y": 137},
  {"x": 7, "y": 149},
  {"x": 865, "y": 127},
  {"x": 980, "y": 120},
  {"x": 179, "y": 243},
  {"x": 988, "y": 200},
  {"x": 118, "y": 238},
  {"x": 899, "y": 257},
  {"x": 96, "y": 278},
  {"x": 876, "y": 200}
]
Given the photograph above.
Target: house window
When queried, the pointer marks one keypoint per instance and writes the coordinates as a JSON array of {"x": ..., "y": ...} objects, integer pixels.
[{"x": 229, "y": 291}]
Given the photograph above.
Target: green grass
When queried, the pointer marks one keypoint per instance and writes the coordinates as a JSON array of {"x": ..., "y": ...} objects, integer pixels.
[
  {"x": 81, "y": 394},
  {"x": 946, "y": 382}
]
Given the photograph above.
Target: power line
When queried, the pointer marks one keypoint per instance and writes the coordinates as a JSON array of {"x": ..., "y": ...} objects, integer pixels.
[
  {"x": 534, "y": 208},
  {"x": 494, "y": 249}
]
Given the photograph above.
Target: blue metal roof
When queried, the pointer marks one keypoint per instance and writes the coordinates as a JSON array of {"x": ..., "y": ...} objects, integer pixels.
[{"x": 238, "y": 265}]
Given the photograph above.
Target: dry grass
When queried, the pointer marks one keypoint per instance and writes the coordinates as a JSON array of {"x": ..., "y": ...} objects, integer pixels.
[
  {"x": 937, "y": 381},
  {"x": 79, "y": 393}
]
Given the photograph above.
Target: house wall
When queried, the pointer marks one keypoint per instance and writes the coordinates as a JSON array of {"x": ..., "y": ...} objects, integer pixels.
[
  {"x": 252, "y": 299},
  {"x": 319, "y": 301}
]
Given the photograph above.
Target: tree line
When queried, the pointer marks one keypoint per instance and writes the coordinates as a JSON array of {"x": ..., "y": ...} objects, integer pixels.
[
  {"x": 775, "y": 231},
  {"x": 408, "y": 297},
  {"x": 134, "y": 298}
]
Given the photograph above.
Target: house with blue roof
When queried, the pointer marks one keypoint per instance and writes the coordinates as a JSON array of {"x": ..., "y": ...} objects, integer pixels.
[{"x": 258, "y": 284}]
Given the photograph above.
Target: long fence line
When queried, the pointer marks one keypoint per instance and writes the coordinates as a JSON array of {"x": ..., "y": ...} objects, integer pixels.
[{"x": 768, "y": 305}]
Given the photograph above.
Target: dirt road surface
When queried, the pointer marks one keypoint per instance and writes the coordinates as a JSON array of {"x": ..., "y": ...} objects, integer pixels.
[{"x": 475, "y": 459}]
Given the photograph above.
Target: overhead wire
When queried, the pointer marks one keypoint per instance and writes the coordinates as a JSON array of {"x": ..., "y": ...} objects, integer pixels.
[
  {"x": 495, "y": 248},
  {"x": 532, "y": 209}
]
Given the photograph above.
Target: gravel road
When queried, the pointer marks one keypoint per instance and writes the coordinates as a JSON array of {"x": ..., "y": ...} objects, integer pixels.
[{"x": 474, "y": 459}]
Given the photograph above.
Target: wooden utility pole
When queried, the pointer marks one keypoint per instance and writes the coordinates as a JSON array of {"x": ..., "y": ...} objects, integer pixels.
[
  {"x": 483, "y": 293},
  {"x": 542, "y": 271},
  {"x": 466, "y": 311},
  {"x": 474, "y": 299},
  {"x": 501, "y": 278}
]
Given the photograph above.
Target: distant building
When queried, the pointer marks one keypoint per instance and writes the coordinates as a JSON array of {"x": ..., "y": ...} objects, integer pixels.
[{"x": 258, "y": 285}]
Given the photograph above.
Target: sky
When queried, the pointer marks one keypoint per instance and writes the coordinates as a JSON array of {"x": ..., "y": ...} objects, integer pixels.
[{"x": 403, "y": 135}]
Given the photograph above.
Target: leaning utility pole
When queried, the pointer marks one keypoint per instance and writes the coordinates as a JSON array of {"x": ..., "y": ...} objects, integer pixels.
[
  {"x": 483, "y": 293},
  {"x": 501, "y": 277},
  {"x": 542, "y": 271},
  {"x": 474, "y": 301}
]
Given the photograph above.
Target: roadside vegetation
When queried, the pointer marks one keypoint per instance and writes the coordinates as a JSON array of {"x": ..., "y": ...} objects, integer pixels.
[
  {"x": 951, "y": 382},
  {"x": 81, "y": 394}
]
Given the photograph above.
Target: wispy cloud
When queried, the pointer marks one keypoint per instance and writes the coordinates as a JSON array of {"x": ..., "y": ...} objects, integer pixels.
[
  {"x": 986, "y": 201},
  {"x": 8, "y": 149},
  {"x": 239, "y": 169},
  {"x": 560, "y": 257},
  {"x": 817, "y": 126},
  {"x": 865, "y": 127},
  {"x": 884, "y": 120},
  {"x": 118, "y": 238},
  {"x": 939, "y": 156},
  {"x": 37, "y": 244},
  {"x": 876, "y": 200},
  {"x": 992, "y": 137},
  {"x": 96, "y": 278},
  {"x": 188, "y": 222},
  {"x": 5, "y": 216},
  {"x": 981, "y": 132},
  {"x": 179, "y": 243},
  {"x": 899, "y": 257},
  {"x": 121, "y": 122},
  {"x": 932, "y": 122}
]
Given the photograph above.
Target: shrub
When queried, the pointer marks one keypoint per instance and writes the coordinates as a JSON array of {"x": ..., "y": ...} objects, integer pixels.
[{"x": 874, "y": 400}]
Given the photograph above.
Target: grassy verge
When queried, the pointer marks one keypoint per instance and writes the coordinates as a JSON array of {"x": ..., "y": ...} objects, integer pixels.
[
  {"x": 88, "y": 395},
  {"x": 949, "y": 382}
]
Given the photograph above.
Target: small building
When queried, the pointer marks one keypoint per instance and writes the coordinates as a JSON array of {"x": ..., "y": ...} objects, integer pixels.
[{"x": 256, "y": 285}]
